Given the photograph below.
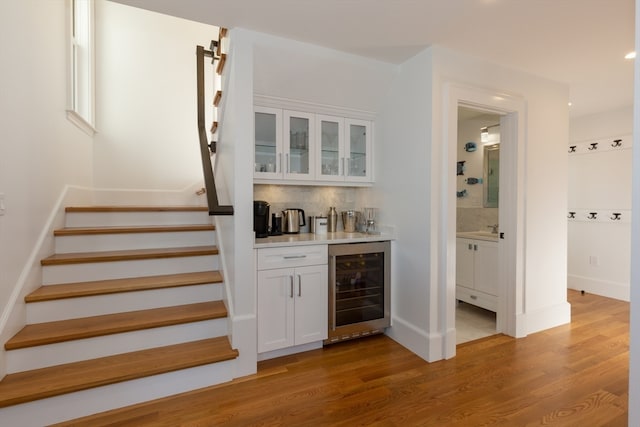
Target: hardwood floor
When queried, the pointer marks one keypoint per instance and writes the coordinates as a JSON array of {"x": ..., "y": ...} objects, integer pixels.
[{"x": 574, "y": 375}]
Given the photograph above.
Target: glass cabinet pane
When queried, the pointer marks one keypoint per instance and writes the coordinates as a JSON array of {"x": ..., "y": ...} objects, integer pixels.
[
  {"x": 357, "y": 150},
  {"x": 330, "y": 148},
  {"x": 265, "y": 142},
  {"x": 359, "y": 288},
  {"x": 298, "y": 145}
]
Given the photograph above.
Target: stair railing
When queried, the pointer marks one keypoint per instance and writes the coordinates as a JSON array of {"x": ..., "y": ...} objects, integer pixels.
[{"x": 206, "y": 149}]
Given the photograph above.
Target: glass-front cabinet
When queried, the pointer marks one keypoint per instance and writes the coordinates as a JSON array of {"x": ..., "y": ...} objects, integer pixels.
[
  {"x": 331, "y": 143},
  {"x": 299, "y": 133},
  {"x": 358, "y": 150},
  {"x": 268, "y": 143},
  {"x": 302, "y": 146}
]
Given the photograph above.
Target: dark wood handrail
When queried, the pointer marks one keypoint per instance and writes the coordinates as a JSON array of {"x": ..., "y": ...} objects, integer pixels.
[{"x": 209, "y": 181}]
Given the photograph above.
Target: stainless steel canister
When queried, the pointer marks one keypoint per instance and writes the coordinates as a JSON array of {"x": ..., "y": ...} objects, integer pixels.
[{"x": 349, "y": 221}]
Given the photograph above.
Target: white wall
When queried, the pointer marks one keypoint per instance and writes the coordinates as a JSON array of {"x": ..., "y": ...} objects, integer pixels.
[
  {"x": 634, "y": 351},
  {"x": 544, "y": 188},
  {"x": 413, "y": 186},
  {"x": 146, "y": 98},
  {"x": 40, "y": 150},
  {"x": 600, "y": 181}
]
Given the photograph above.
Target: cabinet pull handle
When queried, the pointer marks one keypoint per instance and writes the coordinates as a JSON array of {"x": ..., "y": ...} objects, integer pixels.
[
  {"x": 294, "y": 256},
  {"x": 346, "y": 166},
  {"x": 291, "y": 286},
  {"x": 280, "y": 162},
  {"x": 343, "y": 172},
  {"x": 299, "y": 285},
  {"x": 473, "y": 296},
  {"x": 470, "y": 246},
  {"x": 287, "y": 161},
  {"x": 475, "y": 247}
]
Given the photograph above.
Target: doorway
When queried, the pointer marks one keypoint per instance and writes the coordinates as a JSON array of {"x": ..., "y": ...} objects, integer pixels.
[
  {"x": 510, "y": 271},
  {"x": 477, "y": 224}
]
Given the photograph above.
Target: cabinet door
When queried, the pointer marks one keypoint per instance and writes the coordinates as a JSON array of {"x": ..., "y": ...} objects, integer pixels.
[
  {"x": 268, "y": 143},
  {"x": 330, "y": 159},
  {"x": 358, "y": 150},
  {"x": 275, "y": 312},
  {"x": 311, "y": 307},
  {"x": 464, "y": 262},
  {"x": 486, "y": 267},
  {"x": 298, "y": 148}
]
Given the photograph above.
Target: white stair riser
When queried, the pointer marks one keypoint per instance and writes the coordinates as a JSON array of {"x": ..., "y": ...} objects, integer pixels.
[
  {"x": 83, "y": 403},
  {"x": 74, "y": 308},
  {"x": 25, "y": 359},
  {"x": 126, "y": 241},
  {"x": 71, "y": 273},
  {"x": 105, "y": 219}
]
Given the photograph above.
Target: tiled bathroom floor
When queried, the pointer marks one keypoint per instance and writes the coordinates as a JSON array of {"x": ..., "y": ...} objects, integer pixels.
[{"x": 473, "y": 322}]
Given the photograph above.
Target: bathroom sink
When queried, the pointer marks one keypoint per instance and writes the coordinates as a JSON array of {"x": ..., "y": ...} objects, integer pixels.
[{"x": 482, "y": 235}]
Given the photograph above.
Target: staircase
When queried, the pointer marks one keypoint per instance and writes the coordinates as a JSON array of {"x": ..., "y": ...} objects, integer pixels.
[{"x": 131, "y": 309}]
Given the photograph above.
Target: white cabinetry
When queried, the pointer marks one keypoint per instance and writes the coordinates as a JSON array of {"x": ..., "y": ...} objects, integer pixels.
[
  {"x": 306, "y": 147},
  {"x": 292, "y": 296},
  {"x": 477, "y": 272}
]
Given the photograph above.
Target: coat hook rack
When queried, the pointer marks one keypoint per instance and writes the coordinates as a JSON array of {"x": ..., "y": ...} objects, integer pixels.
[
  {"x": 616, "y": 143},
  {"x": 593, "y": 215},
  {"x": 616, "y": 216},
  {"x": 571, "y": 215},
  {"x": 594, "y": 146},
  {"x": 572, "y": 148}
]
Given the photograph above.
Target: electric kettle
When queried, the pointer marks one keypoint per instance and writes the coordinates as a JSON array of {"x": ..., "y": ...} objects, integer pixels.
[{"x": 292, "y": 220}]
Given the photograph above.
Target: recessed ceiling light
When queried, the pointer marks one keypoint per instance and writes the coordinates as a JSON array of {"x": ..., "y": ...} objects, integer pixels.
[
  {"x": 569, "y": 103},
  {"x": 630, "y": 55}
]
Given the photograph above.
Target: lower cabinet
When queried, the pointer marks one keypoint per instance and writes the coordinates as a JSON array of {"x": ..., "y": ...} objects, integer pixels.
[
  {"x": 477, "y": 272},
  {"x": 292, "y": 301}
]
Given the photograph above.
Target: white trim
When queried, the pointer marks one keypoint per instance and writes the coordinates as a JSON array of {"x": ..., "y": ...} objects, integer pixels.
[
  {"x": 310, "y": 107},
  {"x": 81, "y": 123},
  {"x": 617, "y": 290},
  {"x": 427, "y": 346},
  {"x": 512, "y": 249},
  {"x": 548, "y": 317}
]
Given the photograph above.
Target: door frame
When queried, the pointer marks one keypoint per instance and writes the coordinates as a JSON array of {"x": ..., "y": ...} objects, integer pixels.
[{"x": 511, "y": 249}]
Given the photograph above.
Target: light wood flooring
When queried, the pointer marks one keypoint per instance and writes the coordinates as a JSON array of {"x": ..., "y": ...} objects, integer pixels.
[{"x": 573, "y": 375}]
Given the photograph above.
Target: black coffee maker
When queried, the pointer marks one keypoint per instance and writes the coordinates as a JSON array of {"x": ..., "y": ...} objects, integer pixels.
[{"x": 261, "y": 218}]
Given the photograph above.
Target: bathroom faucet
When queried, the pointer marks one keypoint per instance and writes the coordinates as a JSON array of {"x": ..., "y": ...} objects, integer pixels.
[{"x": 494, "y": 228}]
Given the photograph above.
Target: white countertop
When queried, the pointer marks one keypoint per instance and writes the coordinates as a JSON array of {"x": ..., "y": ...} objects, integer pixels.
[
  {"x": 478, "y": 235},
  {"x": 319, "y": 239}
]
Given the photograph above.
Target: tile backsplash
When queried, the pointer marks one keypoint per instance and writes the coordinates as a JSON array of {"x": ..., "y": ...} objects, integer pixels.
[
  {"x": 476, "y": 219},
  {"x": 314, "y": 200}
]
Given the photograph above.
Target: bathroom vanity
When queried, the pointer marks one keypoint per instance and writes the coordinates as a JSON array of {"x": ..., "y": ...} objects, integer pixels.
[{"x": 477, "y": 269}]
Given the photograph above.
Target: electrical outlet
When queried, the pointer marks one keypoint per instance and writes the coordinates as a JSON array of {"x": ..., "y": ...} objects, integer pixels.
[{"x": 593, "y": 260}]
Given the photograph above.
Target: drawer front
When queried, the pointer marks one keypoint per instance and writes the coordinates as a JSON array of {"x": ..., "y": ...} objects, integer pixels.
[
  {"x": 481, "y": 299},
  {"x": 292, "y": 256}
]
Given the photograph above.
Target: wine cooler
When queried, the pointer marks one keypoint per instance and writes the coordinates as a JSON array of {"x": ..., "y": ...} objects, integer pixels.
[{"x": 359, "y": 303}]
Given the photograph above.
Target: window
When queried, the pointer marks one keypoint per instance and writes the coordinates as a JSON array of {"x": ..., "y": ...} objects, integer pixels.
[{"x": 80, "y": 86}]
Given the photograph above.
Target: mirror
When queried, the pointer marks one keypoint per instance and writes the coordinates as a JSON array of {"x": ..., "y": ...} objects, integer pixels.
[{"x": 491, "y": 175}]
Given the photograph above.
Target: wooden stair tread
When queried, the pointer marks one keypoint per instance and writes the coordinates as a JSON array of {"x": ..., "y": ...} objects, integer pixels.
[
  {"x": 103, "y": 287},
  {"x": 136, "y": 209},
  {"x": 128, "y": 255},
  {"x": 87, "y": 327},
  {"x": 47, "y": 382},
  {"x": 80, "y": 231}
]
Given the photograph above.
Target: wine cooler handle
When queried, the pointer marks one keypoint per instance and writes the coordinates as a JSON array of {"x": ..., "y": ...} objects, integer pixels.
[
  {"x": 291, "y": 286},
  {"x": 299, "y": 285}
]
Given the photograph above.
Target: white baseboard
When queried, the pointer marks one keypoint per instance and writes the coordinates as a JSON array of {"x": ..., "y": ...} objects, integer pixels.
[
  {"x": 548, "y": 317},
  {"x": 427, "y": 346},
  {"x": 620, "y": 291}
]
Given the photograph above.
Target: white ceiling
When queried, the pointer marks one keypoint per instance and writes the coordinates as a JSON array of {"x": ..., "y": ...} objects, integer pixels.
[{"x": 579, "y": 42}]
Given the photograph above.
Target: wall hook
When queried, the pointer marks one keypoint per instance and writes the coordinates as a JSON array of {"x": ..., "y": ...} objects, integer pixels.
[
  {"x": 616, "y": 216},
  {"x": 594, "y": 146},
  {"x": 617, "y": 143},
  {"x": 593, "y": 215},
  {"x": 571, "y": 215},
  {"x": 572, "y": 148}
]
